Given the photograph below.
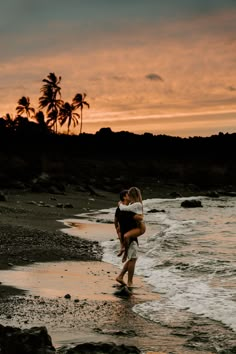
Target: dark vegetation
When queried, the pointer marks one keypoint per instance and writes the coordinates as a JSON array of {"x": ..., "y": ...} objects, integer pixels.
[
  {"x": 31, "y": 147},
  {"x": 108, "y": 159}
]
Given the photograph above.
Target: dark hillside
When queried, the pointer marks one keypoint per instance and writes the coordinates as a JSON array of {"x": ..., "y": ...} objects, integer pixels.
[{"x": 108, "y": 157}]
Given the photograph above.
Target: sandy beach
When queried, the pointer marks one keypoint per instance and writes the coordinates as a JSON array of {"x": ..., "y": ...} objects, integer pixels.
[{"x": 40, "y": 264}]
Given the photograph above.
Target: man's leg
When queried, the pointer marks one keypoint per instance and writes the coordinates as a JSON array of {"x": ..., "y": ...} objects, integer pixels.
[
  {"x": 120, "y": 277},
  {"x": 131, "y": 267}
]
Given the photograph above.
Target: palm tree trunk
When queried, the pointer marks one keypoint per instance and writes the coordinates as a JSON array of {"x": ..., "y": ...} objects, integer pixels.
[{"x": 81, "y": 120}]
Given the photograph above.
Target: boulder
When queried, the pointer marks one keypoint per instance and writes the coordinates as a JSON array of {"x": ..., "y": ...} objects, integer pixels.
[
  {"x": 68, "y": 206},
  {"x": 3, "y": 197},
  {"x": 35, "y": 340},
  {"x": 191, "y": 203},
  {"x": 101, "y": 348},
  {"x": 175, "y": 195},
  {"x": 212, "y": 194},
  {"x": 59, "y": 205},
  {"x": 156, "y": 211}
]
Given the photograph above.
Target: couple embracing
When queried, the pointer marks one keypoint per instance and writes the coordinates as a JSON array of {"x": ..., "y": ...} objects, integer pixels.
[{"x": 129, "y": 226}]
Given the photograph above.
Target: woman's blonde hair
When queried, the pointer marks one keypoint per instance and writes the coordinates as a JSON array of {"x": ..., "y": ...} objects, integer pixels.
[{"x": 135, "y": 194}]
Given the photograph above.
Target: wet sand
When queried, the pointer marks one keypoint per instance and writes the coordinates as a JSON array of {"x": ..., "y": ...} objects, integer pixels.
[
  {"x": 93, "y": 313},
  {"x": 81, "y": 280}
]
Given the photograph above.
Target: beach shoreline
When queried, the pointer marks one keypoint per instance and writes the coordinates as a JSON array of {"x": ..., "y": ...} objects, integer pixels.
[{"x": 30, "y": 234}]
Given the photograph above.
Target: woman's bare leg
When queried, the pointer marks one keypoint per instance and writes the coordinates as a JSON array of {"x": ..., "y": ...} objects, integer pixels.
[
  {"x": 122, "y": 250},
  {"x": 138, "y": 231},
  {"x": 122, "y": 246}
]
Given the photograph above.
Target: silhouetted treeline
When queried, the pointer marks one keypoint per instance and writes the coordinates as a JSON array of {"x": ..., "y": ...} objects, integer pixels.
[
  {"x": 30, "y": 150},
  {"x": 51, "y": 112}
]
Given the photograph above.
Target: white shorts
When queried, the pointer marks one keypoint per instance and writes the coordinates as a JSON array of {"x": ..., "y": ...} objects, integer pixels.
[{"x": 132, "y": 250}]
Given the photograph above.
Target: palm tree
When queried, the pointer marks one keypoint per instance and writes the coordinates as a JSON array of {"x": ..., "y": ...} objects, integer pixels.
[
  {"x": 21, "y": 122},
  {"x": 10, "y": 122},
  {"x": 49, "y": 99},
  {"x": 52, "y": 119},
  {"x": 24, "y": 107},
  {"x": 39, "y": 116},
  {"x": 79, "y": 102},
  {"x": 67, "y": 114}
]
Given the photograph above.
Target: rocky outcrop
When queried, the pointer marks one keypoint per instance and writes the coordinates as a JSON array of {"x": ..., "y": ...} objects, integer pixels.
[
  {"x": 175, "y": 195},
  {"x": 191, "y": 203},
  {"x": 101, "y": 348},
  {"x": 212, "y": 194},
  {"x": 35, "y": 340},
  {"x": 3, "y": 197},
  {"x": 155, "y": 211}
]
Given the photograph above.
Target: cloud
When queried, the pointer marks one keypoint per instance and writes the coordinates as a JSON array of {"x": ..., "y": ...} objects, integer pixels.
[
  {"x": 231, "y": 88},
  {"x": 154, "y": 77}
]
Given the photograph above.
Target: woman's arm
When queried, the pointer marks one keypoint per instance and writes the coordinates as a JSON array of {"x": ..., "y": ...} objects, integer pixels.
[
  {"x": 138, "y": 217},
  {"x": 135, "y": 207}
]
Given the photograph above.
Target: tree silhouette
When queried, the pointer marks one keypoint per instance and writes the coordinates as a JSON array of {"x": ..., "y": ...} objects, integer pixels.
[
  {"x": 79, "y": 102},
  {"x": 68, "y": 115},
  {"x": 52, "y": 118},
  {"x": 39, "y": 116},
  {"x": 10, "y": 122},
  {"x": 51, "y": 98},
  {"x": 21, "y": 122},
  {"x": 24, "y": 107},
  {"x": 2, "y": 124}
]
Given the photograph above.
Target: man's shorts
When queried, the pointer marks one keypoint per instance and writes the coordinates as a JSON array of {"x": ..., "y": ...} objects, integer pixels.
[{"x": 132, "y": 250}]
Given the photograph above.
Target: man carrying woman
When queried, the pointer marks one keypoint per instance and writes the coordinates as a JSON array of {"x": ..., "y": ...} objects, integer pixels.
[{"x": 129, "y": 225}]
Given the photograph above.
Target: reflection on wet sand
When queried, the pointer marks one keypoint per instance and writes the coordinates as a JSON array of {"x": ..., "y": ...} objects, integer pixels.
[
  {"x": 94, "y": 231},
  {"x": 82, "y": 280}
]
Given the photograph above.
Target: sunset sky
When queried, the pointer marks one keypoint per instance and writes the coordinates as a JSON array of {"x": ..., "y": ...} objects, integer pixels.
[{"x": 165, "y": 67}]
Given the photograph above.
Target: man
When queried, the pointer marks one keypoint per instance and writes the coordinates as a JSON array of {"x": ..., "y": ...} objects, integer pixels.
[
  {"x": 124, "y": 198},
  {"x": 125, "y": 221}
]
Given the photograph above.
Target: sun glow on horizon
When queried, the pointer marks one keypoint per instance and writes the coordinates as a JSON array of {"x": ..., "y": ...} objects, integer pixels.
[{"x": 183, "y": 125}]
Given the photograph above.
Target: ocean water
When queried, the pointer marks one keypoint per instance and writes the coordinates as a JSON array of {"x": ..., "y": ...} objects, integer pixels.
[{"x": 186, "y": 255}]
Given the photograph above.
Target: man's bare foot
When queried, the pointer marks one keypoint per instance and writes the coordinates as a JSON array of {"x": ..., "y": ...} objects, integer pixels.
[
  {"x": 120, "y": 280},
  {"x": 121, "y": 252},
  {"x": 124, "y": 258},
  {"x": 130, "y": 285}
]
